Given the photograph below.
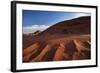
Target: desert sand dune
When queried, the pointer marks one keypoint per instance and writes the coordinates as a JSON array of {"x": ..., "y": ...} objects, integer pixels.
[
  {"x": 59, "y": 53},
  {"x": 59, "y": 49},
  {"x": 50, "y": 54},
  {"x": 30, "y": 49},
  {"x": 43, "y": 52},
  {"x": 66, "y": 40}
]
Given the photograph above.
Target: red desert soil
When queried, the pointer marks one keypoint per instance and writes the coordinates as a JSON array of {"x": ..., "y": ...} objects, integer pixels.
[{"x": 66, "y": 40}]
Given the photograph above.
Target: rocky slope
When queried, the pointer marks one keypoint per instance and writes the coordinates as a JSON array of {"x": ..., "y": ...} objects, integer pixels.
[{"x": 66, "y": 40}]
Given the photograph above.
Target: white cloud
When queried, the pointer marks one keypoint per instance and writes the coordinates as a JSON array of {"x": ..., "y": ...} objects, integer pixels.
[
  {"x": 76, "y": 15},
  {"x": 33, "y": 28},
  {"x": 81, "y": 14}
]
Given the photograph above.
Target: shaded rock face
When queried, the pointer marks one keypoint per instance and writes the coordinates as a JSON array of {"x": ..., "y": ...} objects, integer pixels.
[
  {"x": 66, "y": 40},
  {"x": 75, "y": 26},
  {"x": 37, "y": 32}
]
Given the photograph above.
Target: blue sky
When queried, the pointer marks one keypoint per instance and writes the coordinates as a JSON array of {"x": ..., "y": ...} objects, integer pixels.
[{"x": 40, "y": 20}]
